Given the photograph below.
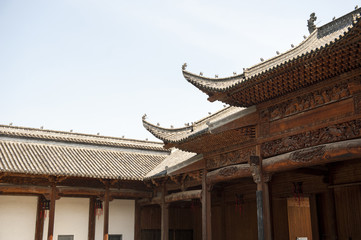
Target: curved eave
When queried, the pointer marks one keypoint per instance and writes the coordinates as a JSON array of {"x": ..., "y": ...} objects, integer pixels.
[
  {"x": 173, "y": 135},
  {"x": 321, "y": 39},
  {"x": 309, "y": 46},
  {"x": 213, "y": 85}
]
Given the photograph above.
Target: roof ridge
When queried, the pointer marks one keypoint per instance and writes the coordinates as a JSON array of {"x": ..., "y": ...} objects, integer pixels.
[
  {"x": 190, "y": 127},
  {"x": 77, "y": 134},
  {"x": 215, "y": 79},
  {"x": 338, "y": 23},
  {"x": 145, "y": 122},
  {"x": 77, "y": 138}
]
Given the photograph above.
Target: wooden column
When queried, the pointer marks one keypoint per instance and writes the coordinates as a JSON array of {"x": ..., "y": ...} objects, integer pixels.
[
  {"x": 206, "y": 209},
  {"x": 137, "y": 219},
  {"x": 256, "y": 169},
  {"x": 52, "y": 212},
  {"x": 106, "y": 212},
  {"x": 39, "y": 227},
  {"x": 331, "y": 215},
  {"x": 224, "y": 209},
  {"x": 165, "y": 215},
  {"x": 267, "y": 208},
  {"x": 91, "y": 224}
]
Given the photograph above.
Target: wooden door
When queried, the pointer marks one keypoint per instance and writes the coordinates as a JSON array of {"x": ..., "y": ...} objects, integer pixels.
[{"x": 299, "y": 218}]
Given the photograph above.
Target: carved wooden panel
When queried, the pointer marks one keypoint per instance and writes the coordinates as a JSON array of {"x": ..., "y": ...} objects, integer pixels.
[
  {"x": 230, "y": 158},
  {"x": 309, "y": 101},
  {"x": 332, "y": 133},
  {"x": 357, "y": 103},
  {"x": 307, "y": 155}
]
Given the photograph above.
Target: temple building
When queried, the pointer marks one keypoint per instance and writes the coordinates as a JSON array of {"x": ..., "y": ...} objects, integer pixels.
[
  {"x": 66, "y": 186},
  {"x": 282, "y": 161}
]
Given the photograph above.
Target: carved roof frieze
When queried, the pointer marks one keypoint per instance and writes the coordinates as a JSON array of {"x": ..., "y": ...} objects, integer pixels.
[{"x": 333, "y": 133}]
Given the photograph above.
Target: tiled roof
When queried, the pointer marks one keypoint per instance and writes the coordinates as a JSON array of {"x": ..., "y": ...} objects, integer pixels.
[
  {"x": 178, "y": 135},
  {"x": 60, "y": 136},
  {"x": 176, "y": 157},
  {"x": 320, "y": 38},
  {"x": 45, "y": 152}
]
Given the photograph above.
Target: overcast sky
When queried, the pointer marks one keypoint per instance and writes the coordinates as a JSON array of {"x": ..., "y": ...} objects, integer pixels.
[{"x": 98, "y": 66}]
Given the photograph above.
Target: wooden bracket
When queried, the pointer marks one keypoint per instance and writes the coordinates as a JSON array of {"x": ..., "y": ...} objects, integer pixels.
[
  {"x": 113, "y": 182},
  {"x": 106, "y": 182},
  {"x": 256, "y": 168}
]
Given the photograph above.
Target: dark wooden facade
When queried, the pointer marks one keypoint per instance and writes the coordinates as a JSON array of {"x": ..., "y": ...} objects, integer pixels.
[{"x": 290, "y": 166}]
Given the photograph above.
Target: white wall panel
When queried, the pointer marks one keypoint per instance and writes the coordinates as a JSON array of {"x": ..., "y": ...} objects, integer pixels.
[{"x": 17, "y": 217}]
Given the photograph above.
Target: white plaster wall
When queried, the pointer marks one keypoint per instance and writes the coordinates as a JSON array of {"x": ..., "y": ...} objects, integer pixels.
[
  {"x": 121, "y": 219},
  {"x": 71, "y": 218},
  {"x": 17, "y": 217}
]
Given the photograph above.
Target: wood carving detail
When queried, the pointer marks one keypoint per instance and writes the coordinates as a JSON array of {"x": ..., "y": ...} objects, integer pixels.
[
  {"x": 230, "y": 158},
  {"x": 357, "y": 103},
  {"x": 333, "y": 133},
  {"x": 225, "y": 172},
  {"x": 308, "y": 155},
  {"x": 309, "y": 101}
]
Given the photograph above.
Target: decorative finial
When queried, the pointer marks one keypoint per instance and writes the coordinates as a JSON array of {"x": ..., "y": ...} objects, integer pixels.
[
  {"x": 144, "y": 116},
  {"x": 311, "y": 23},
  {"x": 123, "y": 136},
  {"x": 146, "y": 139},
  {"x": 224, "y": 105},
  {"x": 184, "y": 66},
  {"x": 333, "y": 19},
  {"x": 71, "y": 130},
  {"x": 200, "y": 74},
  {"x": 171, "y": 126},
  {"x": 98, "y": 134},
  {"x": 261, "y": 59},
  {"x": 234, "y": 73},
  {"x": 216, "y": 76},
  {"x": 209, "y": 113},
  {"x": 304, "y": 36},
  {"x": 158, "y": 124},
  {"x": 356, "y": 7},
  {"x": 186, "y": 124},
  {"x": 10, "y": 124},
  {"x": 42, "y": 127},
  {"x": 278, "y": 53},
  {"x": 292, "y": 46}
]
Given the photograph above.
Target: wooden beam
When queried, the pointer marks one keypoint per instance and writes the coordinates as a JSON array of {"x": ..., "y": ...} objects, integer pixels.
[
  {"x": 39, "y": 226},
  {"x": 9, "y": 188},
  {"x": 228, "y": 173},
  {"x": 106, "y": 212},
  {"x": 52, "y": 212},
  {"x": 91, "y": 222},
  {"x": 114, "y": 193},
  {"x": 129, "y": 193},
  {"x": 181, "y": 196},
  {"x": 150, "y": 201},
  {"x": 174, "y": 197},
  {"x": 73, "y": 191},
  {"x": 307, "y": 157},
  {"x": 322, "y": 154}
]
